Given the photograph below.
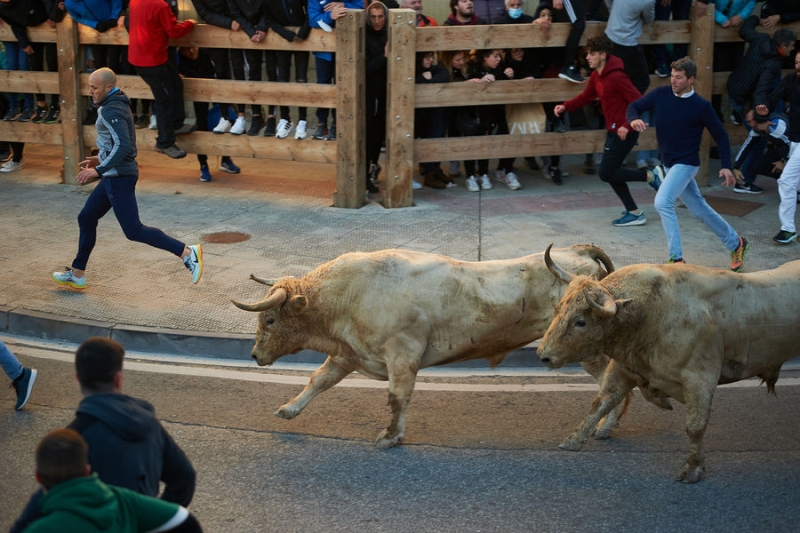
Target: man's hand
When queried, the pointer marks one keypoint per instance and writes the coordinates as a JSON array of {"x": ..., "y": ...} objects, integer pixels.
[
  {"x": 622, "y": 132},
  {"x": 235, "y": 26},
  {"x": 427, "y": 75},
  {"x": 544, "y": 24},
  {"x": 738, "y": 175},
  {"x": 332, "y": 5},
  {"x": 338, "y": 12},
  {"x": 639, "y": 125},
  {"x": 763, "y": 110},
  {"x": 509, "y": 72},
  {"x": 258, "y": 36},
  {"x": 560, "y": 108},
  {"x": 770, "y": 21},
  {"x": 89, "y": 162},
  {"x": 727, "y": 175},
  {"x": 87, "y": 175},
  {"x": 778, "y": 166}
]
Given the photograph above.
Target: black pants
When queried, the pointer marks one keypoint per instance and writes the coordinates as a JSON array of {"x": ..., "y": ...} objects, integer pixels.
[
  {"x": 300, "y": 76},
  {"x": 635, "y": 65},
  {"x": 167, "y": 88},
  {"x": 221, "y": 57},
  {"x": 376, "y": 128},
  {"x": 44, "y": 53},
  {"x": 576, "y": 9},
  {"x": 612, "y": 171},
  {"x": 254, "y": 61}
]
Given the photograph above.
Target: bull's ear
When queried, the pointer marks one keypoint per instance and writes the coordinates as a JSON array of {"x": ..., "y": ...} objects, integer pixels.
[
  {"x": 604, "y": 305},
  {"x": 297, "y": 303}
]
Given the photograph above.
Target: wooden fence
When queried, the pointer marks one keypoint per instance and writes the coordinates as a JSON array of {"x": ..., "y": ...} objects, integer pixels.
[{"x": 403, "y": 152}]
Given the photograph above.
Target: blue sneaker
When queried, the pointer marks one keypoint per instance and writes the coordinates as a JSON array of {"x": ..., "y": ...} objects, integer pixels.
[
  {"x": 630, "y": 219},
  {"x": 205, "y": 174},
  {"x": 657, "y": 175},
  {"x": 228, "y": 166},
  {"x": 24, "y": 385}
]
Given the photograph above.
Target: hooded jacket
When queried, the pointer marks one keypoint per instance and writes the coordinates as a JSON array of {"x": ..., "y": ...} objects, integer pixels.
[
  {"x": 93, "y": 12},
  {"x": 87, "y": 505},
  {"x": 116, "y": 137},
  {"x": 453, "y": 21},
  {"x": 375, "y": 52},
  {"x": 20, "y": 14},
  {"x": 614, "y": 89},
  {"x": 214, "y": 12},
  {"x": 759, "y": 70}
]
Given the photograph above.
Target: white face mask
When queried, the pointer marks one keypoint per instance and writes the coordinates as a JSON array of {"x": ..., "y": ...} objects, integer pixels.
[{"x": 515, "y": 13}]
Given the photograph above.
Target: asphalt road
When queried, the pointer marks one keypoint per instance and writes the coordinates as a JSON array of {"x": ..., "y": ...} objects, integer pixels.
[{"x": 480, "y": 452}]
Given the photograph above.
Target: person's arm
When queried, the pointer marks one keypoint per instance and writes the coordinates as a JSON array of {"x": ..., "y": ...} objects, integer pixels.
[
  {"x": 746, "y": 10},
  {"x": 649, "y": 12},
  {"x": 170, "y": 23},
  {"x": 318, "y": 17},
  {"x": 122, "y": 145},
  {"x": 30, "y": 514},
  {"x": 221, "y": 20},
  {"x": 439, "y": 74},
  {"x": 238, "y": 16},
  {"x": 587, "y": 96},
  {"x": 635, "y": 110},
  {"x": 747, "y": 31},
  {"x": 177, "y": 473}
]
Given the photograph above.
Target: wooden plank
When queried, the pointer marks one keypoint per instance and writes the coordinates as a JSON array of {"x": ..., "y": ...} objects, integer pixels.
[
  {"x": 67, "y": 51},
  {"x": 400, "y": 108},
  {"x": 350, "y": 74},
  {"x": 701, "y": 50},
  {"x": 20, "y": 81}
]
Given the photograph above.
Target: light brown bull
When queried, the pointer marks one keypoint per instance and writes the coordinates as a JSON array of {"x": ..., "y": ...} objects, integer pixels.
[
  {"x": 676, "y": 331},
  {"x": 389, "y": 314}
]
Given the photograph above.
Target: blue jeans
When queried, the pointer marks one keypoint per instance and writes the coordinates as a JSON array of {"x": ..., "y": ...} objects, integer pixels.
[
  {"x": 9, "y": 362},
  {"x": 17, "y": 59},
  {"x": 679, "y": 183},
  {"x": 119, "y": 193},
  {"x": 326, "y": 73}
]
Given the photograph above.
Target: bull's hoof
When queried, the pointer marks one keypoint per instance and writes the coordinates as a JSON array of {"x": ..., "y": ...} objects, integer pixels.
[
  {"x": 690, "y": 473},
  {"x": 571, "y": 444},
  {"x": 602, "y": 434},
  {"x": 286, "y": 412},
  {"x": 384, "y": 441}
]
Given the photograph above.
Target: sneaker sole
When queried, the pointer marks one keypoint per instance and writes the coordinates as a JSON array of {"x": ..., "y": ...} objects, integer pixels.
[
  {"x": 160, "y": 151},
  {"x": 31, "y": 382},
  {"x": 636, "y": 222},
  {"x": 746, "y": 191},
  {"x": 69, "y": 284},
  {"x": 229, "y": 171},
  {"x": 565, "y": 77},
  {"x": 787, "y": 241},
  {"x": 199, "y": 263}
]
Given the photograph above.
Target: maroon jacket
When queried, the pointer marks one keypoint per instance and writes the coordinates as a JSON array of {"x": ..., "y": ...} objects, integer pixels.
[{"x": 614, "y": 89}]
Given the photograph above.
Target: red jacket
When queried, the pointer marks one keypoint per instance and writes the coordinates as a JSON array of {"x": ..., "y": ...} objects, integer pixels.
[
  {"x": 614, "y": 89},
  {"x": 151, "y": 25}
]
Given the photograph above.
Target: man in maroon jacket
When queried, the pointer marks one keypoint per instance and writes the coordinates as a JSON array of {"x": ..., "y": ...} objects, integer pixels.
[
  {"x": 614, "y": 89},
  {"x": 151, "y": 25}
]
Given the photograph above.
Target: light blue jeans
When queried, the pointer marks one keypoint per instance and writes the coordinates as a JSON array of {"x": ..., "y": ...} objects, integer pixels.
[
  {"x": 9, "y": 362},
  {"x": 679, "y": 183}
]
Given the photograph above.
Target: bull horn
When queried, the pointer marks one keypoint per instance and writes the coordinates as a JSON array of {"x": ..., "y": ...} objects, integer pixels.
[
  {"x": 599, "y": 255},
  {"x": 263, "y": 281},
  {"x": 276, "y": 299},
  {"x": 557, "y": 271},
  {"x": 609, "y": 307}
]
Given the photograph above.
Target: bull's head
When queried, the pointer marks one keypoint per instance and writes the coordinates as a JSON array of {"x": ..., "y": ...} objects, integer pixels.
[
  {"x": 278, "y": 332},
  {"x": 582, "y": 319}
]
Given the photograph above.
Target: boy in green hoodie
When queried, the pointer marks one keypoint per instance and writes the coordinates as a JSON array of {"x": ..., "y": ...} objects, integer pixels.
[{"x": 77, "y": 501}]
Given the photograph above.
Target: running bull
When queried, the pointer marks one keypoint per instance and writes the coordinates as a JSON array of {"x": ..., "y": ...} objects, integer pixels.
[{"x": 676, "y": 331}]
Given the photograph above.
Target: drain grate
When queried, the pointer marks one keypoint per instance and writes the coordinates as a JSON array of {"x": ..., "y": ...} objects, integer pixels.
[{"x": 226, "y": 237}]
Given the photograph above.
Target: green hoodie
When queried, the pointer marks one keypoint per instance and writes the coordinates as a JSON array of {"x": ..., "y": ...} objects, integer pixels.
[{"x": 87, "y": 505}]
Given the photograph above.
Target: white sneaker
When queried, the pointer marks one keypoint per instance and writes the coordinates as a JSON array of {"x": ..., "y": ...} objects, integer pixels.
[
  {"x": 194, "y": 262},
  {"x": 153, "y": 124},
  {"x": 284, "y": 127},
  {"x": 69, "y": 279},
  {"x": 512, "y": 182},
  {"x": 223, "y": 126},
  {"x": 238, "y": 126},
  {"x": 500, "y": 175},
  {"x": 300, "y": 130},
  {"x": 11, "y": 166},
  {"x": 472, "y": 184},
  {"x": 486, "y": 183},
  {"x": 415, "y": 185}
]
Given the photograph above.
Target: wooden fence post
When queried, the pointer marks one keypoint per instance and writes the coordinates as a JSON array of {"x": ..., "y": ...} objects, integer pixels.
[
  {"x": 351, "y": 165},
  {"x": 401, "y": 63},
  {"x": 702, "y": 51},
  {"x": 69, "y": 96}
]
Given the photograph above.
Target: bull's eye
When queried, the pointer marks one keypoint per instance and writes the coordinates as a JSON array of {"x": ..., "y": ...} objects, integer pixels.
[
  {"x": 580, "y": 322},
  {"x": 270, "y": 321}
]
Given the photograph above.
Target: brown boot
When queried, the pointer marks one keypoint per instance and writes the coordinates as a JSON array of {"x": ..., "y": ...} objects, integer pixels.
[
  {"x": 433, "y": 181},
  {"x": 442, "y": 176}
]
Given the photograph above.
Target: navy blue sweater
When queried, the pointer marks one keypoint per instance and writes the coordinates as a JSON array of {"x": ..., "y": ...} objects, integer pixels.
[{"x": 679, "y": 126}]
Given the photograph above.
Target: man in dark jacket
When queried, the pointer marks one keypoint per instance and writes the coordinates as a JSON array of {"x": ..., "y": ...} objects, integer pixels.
[
  {"x": 115, "y": 425},
  {"x": 759, "y": 71}
]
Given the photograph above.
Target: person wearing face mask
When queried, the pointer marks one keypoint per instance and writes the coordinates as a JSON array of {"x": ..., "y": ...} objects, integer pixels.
[{"x": 514, "y": 14}]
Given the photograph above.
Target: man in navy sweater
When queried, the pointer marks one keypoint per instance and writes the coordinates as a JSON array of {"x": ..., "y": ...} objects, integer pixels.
[{"x": 682, "y": 115}]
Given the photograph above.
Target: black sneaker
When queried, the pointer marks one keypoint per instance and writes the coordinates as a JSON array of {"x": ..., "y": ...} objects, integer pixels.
[
  {"x": 41, "y": 112},
  {"x": 172, "y": 151},
  {"x": 12, "y": 114},
  {"x": 53, "y": 115},
  {"x": 24, "y": 385},
  {"x": 747, "y": 188},
  {"x": 331, "y": 136},
  {"x": 662, "y": 71},
  {"x": 186, "y": 128},
  {"x": 142, "y": 121},
  {"x": 7, "y": 155},
  {"x": 785, "y": 237},
  {"x": 255, "y": 125},
  {"x": 571, "y": 74},
  {"x": 656, "y": 175},
  {"x": 736, "y": 117},
  {"x": 554, "y": 173},
  {"x": 27, "y": 115},
  {"x": 269, "y": 131},
  {"x": 320, "y": 132}
]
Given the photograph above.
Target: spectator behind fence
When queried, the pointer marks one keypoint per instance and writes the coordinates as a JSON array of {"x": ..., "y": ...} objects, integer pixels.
[
  {"x": 115, "y": 425},
  {"x": 194, "y": 62},
  {"x": 783, "y": 11},
  {"x": 19, "y": 14},
  {"x": 429, "y": 122},
  {"x": 455, "y": 63},
  {"x": 45, "y": 53},
  {"x": 615, "y": 90},
  {"x": 151, "y": 24},
  {"x": 624, "y": 29},
  {"x": 376, "y": 36},
  {"x": 322, "y": 14},
  {"x": 22, "y": 378},
  {"x": 422, "y": 20},
  {"x": 278, "y": 15},
  {"x": 462, "y": 13},
  {"x": 76, "y": 501},
  {"x": 759, "y": 71},
  {"x": 226, "y": 62},
  {"x": 576, "y": 12},
  {"x": 788, "y": 92},
  {"x": 490, "y": 11},
  {"x": 679, "y": 10},
  {"x": 764, "y": 151},
  {"x": 486, "y": 66}
]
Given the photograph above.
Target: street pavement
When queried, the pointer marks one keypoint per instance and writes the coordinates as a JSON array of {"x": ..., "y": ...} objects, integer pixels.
[{"x": 144, "y": 297}]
